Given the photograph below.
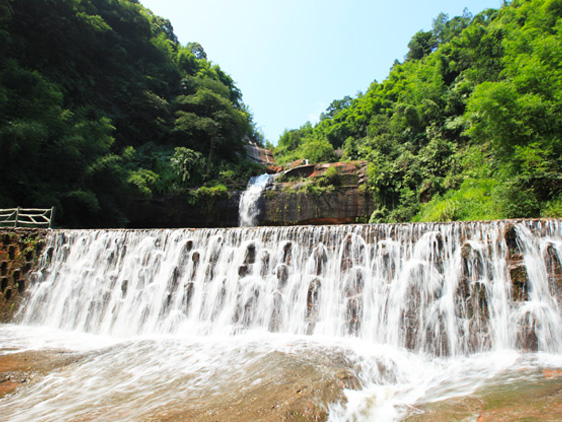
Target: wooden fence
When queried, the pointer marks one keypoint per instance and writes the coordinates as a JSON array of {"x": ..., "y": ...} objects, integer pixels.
[{"x": 27, "y": 217}]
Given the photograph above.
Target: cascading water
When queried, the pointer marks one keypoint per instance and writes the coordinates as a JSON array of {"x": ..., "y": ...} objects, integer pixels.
[
  {"x": 421, "y": 312},
  {"x": 248, "y": 208}
]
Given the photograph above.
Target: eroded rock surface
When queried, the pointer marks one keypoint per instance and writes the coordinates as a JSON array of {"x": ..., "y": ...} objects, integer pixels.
[
  {"x": 277, "y": 387},
  {"x": 538, "y": 397}
]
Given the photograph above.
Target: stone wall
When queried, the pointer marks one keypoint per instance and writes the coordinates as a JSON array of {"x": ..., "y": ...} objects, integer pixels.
[
  {"x": 19, "y": 252},
  {"x": 343, "y": 206}
]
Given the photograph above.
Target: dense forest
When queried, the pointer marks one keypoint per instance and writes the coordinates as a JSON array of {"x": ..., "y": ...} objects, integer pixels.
[
  {"x": 99, "y": 102},
  {"x": 467, "y": 127}
]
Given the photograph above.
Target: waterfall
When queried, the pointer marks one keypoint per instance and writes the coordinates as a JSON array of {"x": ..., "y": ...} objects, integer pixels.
[
  {"x": 444, "y": 289},
  {"x": 415, "y": 308},
  {"x": 248, "y": 209}
]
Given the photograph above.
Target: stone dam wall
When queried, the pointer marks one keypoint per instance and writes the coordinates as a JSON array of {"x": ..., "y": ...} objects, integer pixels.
[{"x": 19, "y": 256}]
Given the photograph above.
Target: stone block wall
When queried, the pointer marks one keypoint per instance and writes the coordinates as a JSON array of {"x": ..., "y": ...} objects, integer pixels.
[{"x": 19, "y": 252}]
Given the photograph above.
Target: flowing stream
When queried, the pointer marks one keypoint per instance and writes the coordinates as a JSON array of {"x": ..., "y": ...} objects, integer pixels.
[
  {"x": 249, "y": 201},
  {"x": 418, "y": 312}
]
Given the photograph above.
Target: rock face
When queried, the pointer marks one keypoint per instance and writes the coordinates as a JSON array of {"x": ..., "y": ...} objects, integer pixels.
[
  {"x": 305, "y": 194},
  {"x": 348, "y": 205},
  {"x": 314, "y": 194},
  {"x": 259, "y": 155},
  {"x": 19, "y": 250}
]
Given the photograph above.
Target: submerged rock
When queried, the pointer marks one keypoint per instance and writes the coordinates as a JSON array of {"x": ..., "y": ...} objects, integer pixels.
[{"x": 276, "y": 387}]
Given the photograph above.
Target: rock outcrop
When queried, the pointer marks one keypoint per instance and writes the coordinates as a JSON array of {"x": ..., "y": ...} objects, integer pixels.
[
  {"x": 305, "y": 194},
  {"x": 313, "y": 194}
]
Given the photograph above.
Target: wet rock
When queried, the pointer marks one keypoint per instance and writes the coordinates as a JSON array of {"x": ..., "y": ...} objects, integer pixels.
[
  {"x": 188, "y": 295},
  {"x": 124, "y": 286},
  {"x": 352, "y": 254},
  {"x": 195, "y": 257},
  {"x": 25, "y": 368},
  {"x": 264, "y": 264},
  {"x": 295, "y": 389},
  {"x": 553, "y": 270},
  {"x": 287, "y": 253},
  {"x": 174, "y": 280},
  {"x": 354, "y": 284},
  {"x": 523, "y": 399},
  {"x": 472, "y": 262},
  {"x": 243, "y": 270},
  {"x": 346, "y": 264},
  {"x": 437, "y": 244},
  {"x": 527, "y": 339},
  {"x": 354, "y": 307},
  {"x": 383, "y": 253},
  {"x": 410, "y": 319},
  {"x": 511, "y": 239},
  {"x": 49, "y": 253},
  {"x": 320, "y": 260},
  {"x": 276, "y": 313},
  {"x": 466, "y": 251},
  {"x": 519, "y": 282},
  {"x": 312, "y": 303},
  {"x": 282, "y": 276},
  {"x": 250, "y": 257}
]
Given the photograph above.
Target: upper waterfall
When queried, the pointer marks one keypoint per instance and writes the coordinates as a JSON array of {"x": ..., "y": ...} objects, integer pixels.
[
  {"x": 248, "y": 208},
  {"x": 443, "y": 289}
]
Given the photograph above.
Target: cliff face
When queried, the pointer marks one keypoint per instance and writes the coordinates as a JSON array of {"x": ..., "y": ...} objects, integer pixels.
[
  {"x": 348, "y": 205},
  {"x": 334, "y": 193}
]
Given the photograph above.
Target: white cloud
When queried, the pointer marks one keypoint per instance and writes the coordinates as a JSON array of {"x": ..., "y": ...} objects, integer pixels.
[{"x": 314, "y": 117}]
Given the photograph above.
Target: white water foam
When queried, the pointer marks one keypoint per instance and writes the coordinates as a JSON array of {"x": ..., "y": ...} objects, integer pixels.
[
  {"x": 248, "y": 208},
  {"x": 423, "y": 312}
]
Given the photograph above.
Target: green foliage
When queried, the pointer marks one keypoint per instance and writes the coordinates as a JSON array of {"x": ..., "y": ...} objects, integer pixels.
[
  {"x": 476, "y": 199},
  {"x": 468, "y": 127},
  {"x": 206, "y": 197},
  {"x": 82, "y": 82},
  {"x": 186, "y": 163},
  {"x": 553, "y": 208},
  {"x": 331, "y": 177},
  {"x": 144, "y": 180},
  {"x": 315, "y": 189}
]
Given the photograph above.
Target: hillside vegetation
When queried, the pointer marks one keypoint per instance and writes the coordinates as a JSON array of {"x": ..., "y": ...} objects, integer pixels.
[
  {"x": 99, "y": 102},
  {"x": 467, "y": 127}
]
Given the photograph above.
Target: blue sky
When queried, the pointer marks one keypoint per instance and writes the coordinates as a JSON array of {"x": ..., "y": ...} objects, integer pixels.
[{"x": 292, "y": 58}]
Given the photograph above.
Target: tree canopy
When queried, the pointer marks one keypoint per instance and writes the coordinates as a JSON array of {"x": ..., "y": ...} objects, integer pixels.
[
  {"x": 467, "y": 127},
  {"x": 95, "y": 97}
]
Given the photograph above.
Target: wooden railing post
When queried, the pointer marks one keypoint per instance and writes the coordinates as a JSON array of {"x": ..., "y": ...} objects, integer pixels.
[
  {"x": 52, "y": 217},
  {"x": 17, "y": 216}
]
